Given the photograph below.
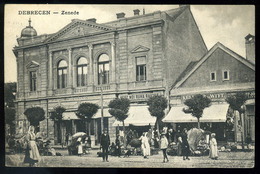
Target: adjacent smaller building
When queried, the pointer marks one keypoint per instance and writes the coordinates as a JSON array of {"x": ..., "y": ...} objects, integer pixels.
[{"x": 219, "y": 73}]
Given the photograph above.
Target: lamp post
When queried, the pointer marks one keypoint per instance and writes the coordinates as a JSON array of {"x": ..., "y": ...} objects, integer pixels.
[{"x": 102, "y": 114}]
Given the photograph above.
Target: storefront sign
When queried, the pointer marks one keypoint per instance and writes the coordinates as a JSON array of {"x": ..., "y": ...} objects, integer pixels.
[
  {"x": 250, "y": 95},
  {"x": 140, "y": 96}
]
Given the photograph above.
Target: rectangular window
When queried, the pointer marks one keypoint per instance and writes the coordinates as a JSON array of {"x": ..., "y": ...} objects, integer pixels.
[
  {"x": 141, "y": 68},
  {"x": 225, "y": 75},
  {"x": 213, "y": 76},
  {"x": 33, "y": 81}
]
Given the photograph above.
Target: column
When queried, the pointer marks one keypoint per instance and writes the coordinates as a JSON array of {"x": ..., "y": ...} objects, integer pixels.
[
  {"x": 113, "y": 61},
  {"x": 70, "y": 79},
  {"x": 50, "y": 71},
  {"x": 91, "y": 77}
]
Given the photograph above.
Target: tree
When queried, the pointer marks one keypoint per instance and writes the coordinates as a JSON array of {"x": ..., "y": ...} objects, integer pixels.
[
  {"x": 196, "y": 105},
  {"x": 85, "y": 112},
  {"x": 236, "y": 102},
  {"x": 10, "y": 118},
  {"x": 157, "y": 104},
  {"x": 119, "y": 108},
  {"x": 56, "y": 115},
  {"x": 9, "y": 94},
  {"x": 9, "y": 97},
  {"x": 34, "y": 116}
]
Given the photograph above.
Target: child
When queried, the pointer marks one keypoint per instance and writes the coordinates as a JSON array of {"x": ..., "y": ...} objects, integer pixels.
[{"x": 80, "y": 148}]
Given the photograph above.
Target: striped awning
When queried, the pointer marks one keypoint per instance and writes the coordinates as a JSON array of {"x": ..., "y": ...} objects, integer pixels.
[
  {"x": 137, "y": 116},
  {"x": 214, "y": 113}
]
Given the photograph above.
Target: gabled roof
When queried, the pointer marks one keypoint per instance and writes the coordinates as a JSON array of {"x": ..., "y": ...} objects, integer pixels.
[
  {"x": 32, "y": 64},
  {"x": 74, "y": 24},
  {"x": 190, "y": 70},
  {"x": 185, "y": 72},
  {"x": 140, "y": 48}
]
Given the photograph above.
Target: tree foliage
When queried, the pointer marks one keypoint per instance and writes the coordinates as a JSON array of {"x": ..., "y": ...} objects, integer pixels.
[
  {"x": 119, "y": 108},
  {"x": 196, "y": 105},
  {"x": 56, "y": 113},
  {"x": 34, "y": 115},
  {"x": 86, "y": 111},
  {"x": 237, "y": 101},
  {"x": 9, "y": 116},
  {"x": 9, "y": 91},
  {"x": 157, "y": 104}
]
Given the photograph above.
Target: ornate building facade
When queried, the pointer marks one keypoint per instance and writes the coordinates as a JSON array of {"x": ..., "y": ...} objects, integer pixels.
[{"x": 132, "y": 57}]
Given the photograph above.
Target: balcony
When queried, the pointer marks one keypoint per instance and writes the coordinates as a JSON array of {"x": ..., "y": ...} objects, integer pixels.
[
  {"x": 104, "y": 87},
  {"x": 81, "y": 90}
]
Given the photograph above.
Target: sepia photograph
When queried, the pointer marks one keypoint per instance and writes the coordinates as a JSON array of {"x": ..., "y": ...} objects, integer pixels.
[{"x": 129, "y": 86}]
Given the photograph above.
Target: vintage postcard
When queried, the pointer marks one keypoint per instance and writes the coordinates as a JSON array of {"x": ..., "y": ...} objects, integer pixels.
[{"x": 129, "y": 86}]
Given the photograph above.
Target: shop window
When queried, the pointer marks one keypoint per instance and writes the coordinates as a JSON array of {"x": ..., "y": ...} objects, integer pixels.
[
  {"x": 141, "y": 68},
  {"x": 82, "y": 70},
  {"x": 225, "y": 75},
  {"x": 213, "y": 76},
  {"x": 62, "y": 74},
  {"x": 103, "y": 69},
  {"x": 33, "y": 81}
]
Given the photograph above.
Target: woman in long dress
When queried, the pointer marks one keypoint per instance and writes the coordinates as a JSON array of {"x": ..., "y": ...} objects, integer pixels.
[
  {"x": 213, "y": 153},
  {"x": 80, "y": 146},
  {"x": 32, "y": 155},
  {"x": 145, "y": 145}
]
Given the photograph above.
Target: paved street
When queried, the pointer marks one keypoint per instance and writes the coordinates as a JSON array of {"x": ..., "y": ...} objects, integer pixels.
[{"x": 226, "y": 160}]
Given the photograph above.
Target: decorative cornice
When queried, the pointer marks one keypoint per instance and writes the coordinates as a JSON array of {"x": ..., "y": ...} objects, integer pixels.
[{"x": 75, "y": 23}]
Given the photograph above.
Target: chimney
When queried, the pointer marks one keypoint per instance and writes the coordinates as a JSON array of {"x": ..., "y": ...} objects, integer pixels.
[
  {"x": 250, "y": 48},
  {"x": 92, "y": 20},
  {"x": 120, "y": 15},
  {"x": 184, "y": 5},
  {"x": 136, "y": 12}
]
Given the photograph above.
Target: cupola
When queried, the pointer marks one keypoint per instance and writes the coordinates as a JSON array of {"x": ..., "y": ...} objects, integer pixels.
[{"x": 28, "y": 31}]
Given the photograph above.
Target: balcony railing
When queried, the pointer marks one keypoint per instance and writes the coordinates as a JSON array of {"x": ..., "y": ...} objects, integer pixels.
[
  {"x": 104, "y": 87},
  {"x": 81, "y": 90}
]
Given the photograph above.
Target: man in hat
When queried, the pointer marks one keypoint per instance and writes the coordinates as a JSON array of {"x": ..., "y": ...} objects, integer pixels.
[{"x": 105, "y": 142}]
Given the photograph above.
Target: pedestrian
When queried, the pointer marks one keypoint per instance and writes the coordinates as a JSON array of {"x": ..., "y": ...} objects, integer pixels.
[
  {"x": 179, "y": 143},
  {"x": 164, "y": 146},
  {"x": 145, "y": 145},
  {"x": 67, "y": 139},
  {"x": 149, "y": 135},
  {"x": 129, "y": 136},
  {"x": 248, "y": 141},
  {"x": 185, "y": 145},
  {"x": 32, "y": 155},
  {"x": 80, "y": 146},
  {"x": 213, "y": 151},
  {"x": 118, "y": 146},
  {"x": 105, "y": 142}
]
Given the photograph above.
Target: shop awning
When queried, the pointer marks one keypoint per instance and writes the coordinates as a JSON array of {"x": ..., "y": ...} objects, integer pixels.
[
  {"x": 214, "y": 113},
  {"x": 137, "y": 116},
  {"x": 69, "y": 116},
  {"x": 105, "y": 113}
]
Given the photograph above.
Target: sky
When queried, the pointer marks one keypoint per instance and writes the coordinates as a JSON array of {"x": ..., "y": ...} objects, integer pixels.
[{"x": 227, "y": 24}]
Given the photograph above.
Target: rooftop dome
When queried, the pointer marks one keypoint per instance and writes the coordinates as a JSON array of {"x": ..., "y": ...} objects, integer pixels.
[{"x": 28, "y": 31}]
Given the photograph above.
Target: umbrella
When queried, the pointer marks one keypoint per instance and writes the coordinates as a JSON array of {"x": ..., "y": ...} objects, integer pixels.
[
  {"x": 135, "y": 143},
  {"x": 194, "y": 135},
  {"x": 79, "y": 134}
]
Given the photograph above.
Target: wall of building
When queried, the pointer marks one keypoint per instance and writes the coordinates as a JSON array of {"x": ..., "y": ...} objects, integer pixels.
[
  {"x": 218, "y": 62},
  {"x": 183, "y": 44}
]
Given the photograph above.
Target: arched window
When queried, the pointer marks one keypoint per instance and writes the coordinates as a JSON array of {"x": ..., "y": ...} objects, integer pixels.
[
  {"x": 62, "y": 74},
  {"x": 82, "y": 70},
  {"x": 103, "y": 69}
]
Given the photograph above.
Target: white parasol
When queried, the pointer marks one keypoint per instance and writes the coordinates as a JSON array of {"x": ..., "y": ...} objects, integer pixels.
[{"x": 79, "y": 134}]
